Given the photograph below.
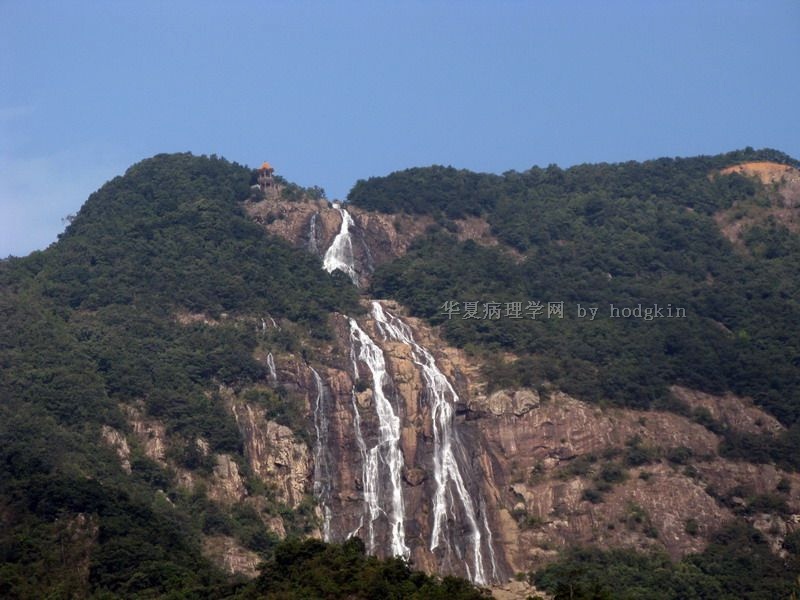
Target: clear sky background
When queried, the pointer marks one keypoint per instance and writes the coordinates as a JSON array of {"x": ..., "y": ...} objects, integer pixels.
[{"x": 331, "y": 92}]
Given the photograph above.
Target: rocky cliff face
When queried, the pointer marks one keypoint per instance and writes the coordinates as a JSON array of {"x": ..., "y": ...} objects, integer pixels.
[
  {"x": 224, "y": 551},
  {"x": 377, "y": 238},
  {"x": 412, "y": 455},
  {"x": 391, "y": 459},
  {"x": 570, "y": 473},
  {"x": 274, "y": 456},
  {"x": 404, "y": 447},
  {"x": 273, "y": 453},
  {"x": 546, "y": 472}
]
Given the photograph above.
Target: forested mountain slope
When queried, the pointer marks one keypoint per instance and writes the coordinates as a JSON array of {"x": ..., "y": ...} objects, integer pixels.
[
  {"x": 91, "y": 350},
  {"x": 600, "y": 235},
  {"x": 178, "y": 368}
]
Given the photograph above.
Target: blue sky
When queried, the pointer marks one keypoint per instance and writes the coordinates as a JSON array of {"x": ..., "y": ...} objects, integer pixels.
[{"x": 330, "y": 92}]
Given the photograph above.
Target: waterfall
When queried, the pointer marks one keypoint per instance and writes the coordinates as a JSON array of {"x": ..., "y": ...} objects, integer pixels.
[
  {"x": 322, "y": 469},
  {"x": 489, "y": 540},
  {"x": 273, "y": 374},
  {"x": 386, "y": 452},
  {"x": 451, "y": 490},
  {"x": 369, "y": 481},
  {"x": 340, "y": 254},
  {"x": 312, "y": 234}
]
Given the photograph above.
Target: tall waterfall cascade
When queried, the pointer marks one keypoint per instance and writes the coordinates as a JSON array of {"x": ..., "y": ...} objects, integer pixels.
[
  {"x": 322, "y": 467},
  {"x": 386, "y": 453},
  {"x": 460, "y": 534},
  {"x": 340, "y": 254},
  {"x": 450, "y": 458}
]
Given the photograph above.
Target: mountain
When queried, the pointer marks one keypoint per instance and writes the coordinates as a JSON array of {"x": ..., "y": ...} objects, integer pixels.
[{"x": 201, "y": 367}]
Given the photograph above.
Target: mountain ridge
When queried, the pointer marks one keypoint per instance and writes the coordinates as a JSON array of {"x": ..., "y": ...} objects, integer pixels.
[{"x": 176, "y": 236}]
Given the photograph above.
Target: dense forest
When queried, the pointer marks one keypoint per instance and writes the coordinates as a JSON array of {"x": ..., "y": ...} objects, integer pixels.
[
  {"x": 718, "y": 572},
  {"x": 311, "y": 569},
  {"x": 89, "y": 325}
]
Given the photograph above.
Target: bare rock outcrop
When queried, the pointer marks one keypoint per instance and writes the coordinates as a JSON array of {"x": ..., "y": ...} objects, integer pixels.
[
  {"x": 274, "y": 454},
  {"x": 116, "y": 441},
  {"x": 77, "y": 535},
  {"x": 781, "y": 185},
  {"x": 229, "y": 555},
  {"x": 506, "y": 402},
  {"x": 517, "y": 590},
  {"x": 563, "y": 427},
  {"x": 546, "y": 470},
  {"x": 313, "y": 224},
  {"x": 226, "y": 485},
  {"x": 150, "y": 433},
  {"x": 740, "y": 414}
]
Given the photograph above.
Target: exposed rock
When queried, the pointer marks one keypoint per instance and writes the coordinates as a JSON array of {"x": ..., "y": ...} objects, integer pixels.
[
  {"x": 228, "y": 554},
  {"x": 774, "y": 529},
  {"x": 479, "y": 231},
  {"x": 185, "y": 479},
  {"x": 378, "y": 237},
  {"x": 364, "y": 399},
  {"x": 77, "y": 536},
  {"x": 564, "y": 426},
  {"x": 263, "y": 508},
  {"x": 517, "y": 590},
  {"x": 407, "y": 393},
  {"x": 649, "y": 511},
  {"x": 415, "y": 476},
  {"x": 226, "y": 485},
  {"x": 519, "y": 447},
  {"x": 276, "y": 526},
  {"x": 766, "y": 172},
  {"x": 506, "y": 402},
  {"x": 738, "y": 413},
  {"x": 389, "y": 236},
  {"x": 187, "y": 318},
  {"x": 274, "y": 454},
  {"x": 724, "y": 476},
  {"x": 291, "y": 220},
  {"x": 203, "y": 446},
  {"x": 782, "y": 187},
  {"x": 658, "y": 509},
  {"x": 119, "y": 444},
  {"x": 151, "y": 434}
]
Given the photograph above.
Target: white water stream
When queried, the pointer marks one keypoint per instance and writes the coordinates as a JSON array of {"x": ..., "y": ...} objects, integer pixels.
[
  {"x": 273, "y": 374},
  {"x": 383, "y": 463},
  {"x": 386, "y": 452},
  {"x": 322, "y": 469},
  {"x": 451, "y": 489},
  {"x": 340, "y": 254}
]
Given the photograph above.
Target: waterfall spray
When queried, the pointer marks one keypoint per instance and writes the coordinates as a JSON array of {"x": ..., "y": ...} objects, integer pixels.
[
  {"x": 340, "y": 254},
  {"x": 451, "y": 489},
  {"x": 386, "y": 452}
]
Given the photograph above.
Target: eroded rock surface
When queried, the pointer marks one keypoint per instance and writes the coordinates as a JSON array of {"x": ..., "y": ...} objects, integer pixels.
[
  {"x": 116, "y": 440},
  {"x": 274, "y": 454},
  {"x": 232, "y": 557}
]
